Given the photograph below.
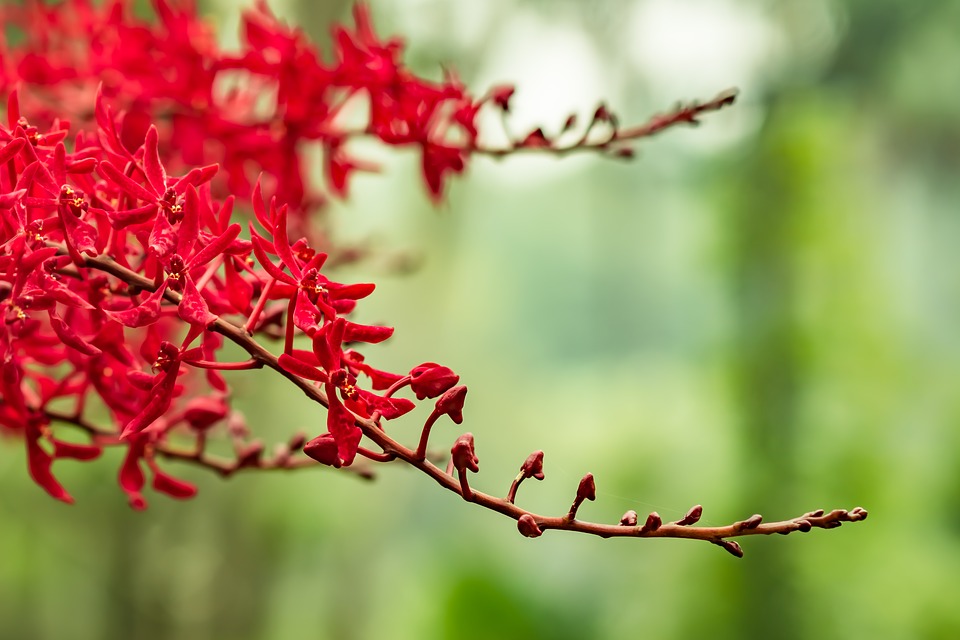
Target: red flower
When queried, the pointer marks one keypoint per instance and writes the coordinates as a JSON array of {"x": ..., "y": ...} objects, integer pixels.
[
  {"x": 163, "y": 197},
  {"x": 429, "y": 380},
  {"x": 132, "y": 479}
]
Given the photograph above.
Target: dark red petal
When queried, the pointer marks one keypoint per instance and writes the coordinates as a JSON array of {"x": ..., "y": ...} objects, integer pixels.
[
  {"x": 239, "y": 290},
  {"x": 203, "y": 412},
  {"x": 70, "y": 337},
  {"x": 340, "y": 423},
  {"x": 366, "y": 333},
  {"x": 81, "y": 235},
  {"x": 147, "y": 312},
  {"x": 351, "y": 291},
  {"x": 163, "y": 483},
  {"x": 190, "y": 224},
  {"x": 75, "y": 451},
  {"x": 324, "y": 450},
  {"x": 151, "y": 162},
  {"x": 11, "y": 149},
  {"x": 131, "y": 475},
  {"x": 389, "y": 408},
  {"x": 196, "y": 177},
  {"x": 39, "y": 463},
  {"x": 300, "y": 368},
  {"x": 125, "y": 184},
  {"x": 216, "y": 246},
  {"x": 193, "y": 308},
  {"x": 260, "y": 248},
  {"x": 348, "y": 444},
  {"x": 259, "y": 210},
  {"x": 126, "y": 217},
  {"x": 282, "y": 244}
]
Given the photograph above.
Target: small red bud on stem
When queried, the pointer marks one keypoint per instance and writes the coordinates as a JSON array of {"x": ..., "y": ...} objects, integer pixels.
[
  {"x": 586, "y": 490},
  {"x": 464, "y": 458},
  {"x": 692, "y": 517},
  {"x": 528, "y": 526},
  {"x": 652, "y": 524},
  {"x": 531, "y": 468},
  {"x": 451, "y": 404}
]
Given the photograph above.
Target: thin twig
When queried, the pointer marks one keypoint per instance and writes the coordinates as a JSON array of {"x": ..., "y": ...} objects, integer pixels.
[{"x": 652, "y": 528}]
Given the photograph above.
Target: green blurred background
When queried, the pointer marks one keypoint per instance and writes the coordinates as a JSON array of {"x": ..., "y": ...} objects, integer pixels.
[{"x": 759, "y": 315}]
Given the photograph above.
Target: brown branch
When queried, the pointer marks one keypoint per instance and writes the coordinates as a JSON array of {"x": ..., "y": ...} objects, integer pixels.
[
  {"x": 247, "y": 459},
  {"x": 682, "y": 114},
  {"x": 529, "y": 523}
]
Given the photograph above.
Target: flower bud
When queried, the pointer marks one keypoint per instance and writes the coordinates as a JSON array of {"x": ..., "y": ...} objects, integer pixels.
[
  {"x": 464, "y": 454},
  {"x": 323, "y": 449},
  {"x": 501, "y": 94},
  {"x": 203, "y": 412},
  {"x": 652, "y": 524},
  {"x": 732, "y": 547},
  {"x": 533, "y": 466},
  {"x": 587, "y": 490},
  {"x": 172, "y": 487},
  {"x": 429, "y": 380},
  {"x": 692, "y": 517},
  {"x": 250, "y": 455},
  {"x": 451, "y": 403},
  {"x": 528, "y": 526}
]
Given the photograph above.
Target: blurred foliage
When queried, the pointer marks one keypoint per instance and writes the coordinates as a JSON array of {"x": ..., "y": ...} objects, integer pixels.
[{"x": 760, "y": 315}]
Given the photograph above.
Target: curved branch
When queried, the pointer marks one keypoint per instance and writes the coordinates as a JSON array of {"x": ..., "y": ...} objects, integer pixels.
[{"x": 530, "y": 524}]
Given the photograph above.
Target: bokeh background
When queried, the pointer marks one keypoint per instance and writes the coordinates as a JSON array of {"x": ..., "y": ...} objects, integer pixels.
[{"x": 760, "y": 315}]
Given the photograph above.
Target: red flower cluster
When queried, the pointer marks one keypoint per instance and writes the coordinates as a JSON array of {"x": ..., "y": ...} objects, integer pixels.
[
  {"x": 121, "y": 258},
  {"x": 129, "y": 146},
  {"x": 253, "y": 111}
]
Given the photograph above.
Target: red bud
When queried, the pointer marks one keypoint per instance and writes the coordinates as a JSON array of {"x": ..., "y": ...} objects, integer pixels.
[
  {"x": 323, "y": 449},
  {"x": 533, "y": 466},
  {"x": 451, "y": 403},
  {"x": 429, "y": 380},
  {"x": 528, "y": 526},
  {"x": 464, "y": 455}
]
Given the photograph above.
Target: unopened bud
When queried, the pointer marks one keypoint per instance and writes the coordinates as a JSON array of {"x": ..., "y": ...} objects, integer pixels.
[
  {"x": 652, "y": 524},
  {"x": 528, "y": 526},
  {"x": 587, "y": 490},
  {"x": 532, "y": 467},
  {"x": 464, "y": 454},
  {"x": 451, "y": 403},
  {"x": 692, "y": 517},
  {"x": 429, "y": 380},
  {"x": 323, "y": 449},
  {"x": 501, "y": 94},
  {"x": 750, "y": 523},
  {"x": 732, "y": 547},
  {"x": 297, "y": 441},
  {"x": 535, "y": 140},
  {"x": 629, "y": 519},
  {"x": 250, "y": 455}
]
